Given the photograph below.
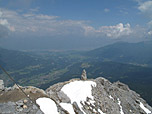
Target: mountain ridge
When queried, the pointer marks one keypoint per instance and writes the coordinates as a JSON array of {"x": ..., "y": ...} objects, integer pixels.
[
  {"x": 135, "y": 53},
  {"x": 103, "y": 97}
]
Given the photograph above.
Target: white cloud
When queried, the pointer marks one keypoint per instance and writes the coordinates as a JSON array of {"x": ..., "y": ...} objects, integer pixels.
[
  {"x": 106, "y": 10},
  {"x": 146, "y": 8},
  {"x": 116, "y": 31},
  {"x": 89, "y": 31},
  {"x": 34, "y": 9},
  {"x": 46, "y": 17},
  {"x": 42, "y": 25},
  {"x": 4, "y": 22},
  {"x": 138, "y": 1},
  {"x": 123, "y": 11},
  {"x": 4, "y": 26},
  {"x": 39, "y": 16},
  {"x": 45, "y": 25},
  {"x": 150, "y": 23},
  {"x": 150, "y": 33}
]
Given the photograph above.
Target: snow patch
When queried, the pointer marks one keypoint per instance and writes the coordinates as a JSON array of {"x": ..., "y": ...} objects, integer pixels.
[
  {"x": 78, "y": 91},
  {"x": 47, "y": 105},
  {"x": 68, "y": 107},
  {"x": 111, "y": 97},
  {"x": 100, "y": 111},
  {"x": 92, "y": 101},
  {"x": 94, "y": 110},
  {"x": 144, "y": 108},
  {"x": 119, "y": 103}
]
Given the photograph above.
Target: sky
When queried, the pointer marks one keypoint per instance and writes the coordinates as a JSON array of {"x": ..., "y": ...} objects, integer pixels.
[{"x": 73, "y": 24}]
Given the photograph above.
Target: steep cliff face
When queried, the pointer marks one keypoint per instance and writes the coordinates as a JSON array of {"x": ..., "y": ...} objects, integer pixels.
[{"x": 94, "y": 96}]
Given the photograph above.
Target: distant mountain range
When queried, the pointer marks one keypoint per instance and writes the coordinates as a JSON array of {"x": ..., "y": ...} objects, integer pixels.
[
  {"x": 15, "y": 60},
  {"x": 134, "y": 53}
]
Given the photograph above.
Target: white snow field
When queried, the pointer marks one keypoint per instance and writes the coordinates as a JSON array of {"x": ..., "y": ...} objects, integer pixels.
[
  {"x": 144, "y": 108},
  {"x": 78, "y": 91},
  {"x": 47, "y": 105}
]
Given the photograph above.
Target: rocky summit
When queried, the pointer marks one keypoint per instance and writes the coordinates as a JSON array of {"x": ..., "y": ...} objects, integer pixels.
[{"x": 89, "y": 96}]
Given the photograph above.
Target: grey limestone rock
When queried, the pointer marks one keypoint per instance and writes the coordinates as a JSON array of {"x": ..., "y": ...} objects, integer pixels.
[
  {"x": 84, "y": 75},
  {"x": 17, "y": 108},
  {"x": 7, "y": 108},
  {"x": 1, "y": 85},
  {"x": 63, "y": 97},
  {"x": 108, "y": 98},
  {"x": 76, "y": 108}
]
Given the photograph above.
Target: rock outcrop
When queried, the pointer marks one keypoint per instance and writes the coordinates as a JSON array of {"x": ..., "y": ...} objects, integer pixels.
[
  {"x": 13, "y": 101},
  {"x": 100, "y": 96},
  {"x": 84, "y": 75},
  {"x": 1, "y": 85},
  {"x": 108, "y": 98}
]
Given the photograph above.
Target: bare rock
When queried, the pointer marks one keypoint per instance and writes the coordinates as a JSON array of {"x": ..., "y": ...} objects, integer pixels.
[
  {"x": 76, "y": 108},
  {"x": 107, "y": 98},
  {"x": 1, "y": 85},
  {"x": 63, "y": 97},
  {"x": 25, "y": 101},
  {"x": 84, "y": 75}
]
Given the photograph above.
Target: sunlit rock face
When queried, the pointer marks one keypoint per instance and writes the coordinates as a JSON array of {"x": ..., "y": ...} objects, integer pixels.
[
  {"x": 90, "y": 96},
  {"x": 97, "y": 96}
]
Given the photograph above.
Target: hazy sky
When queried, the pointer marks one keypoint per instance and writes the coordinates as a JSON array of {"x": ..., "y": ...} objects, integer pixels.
[{"x": 71, "y": 24}]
